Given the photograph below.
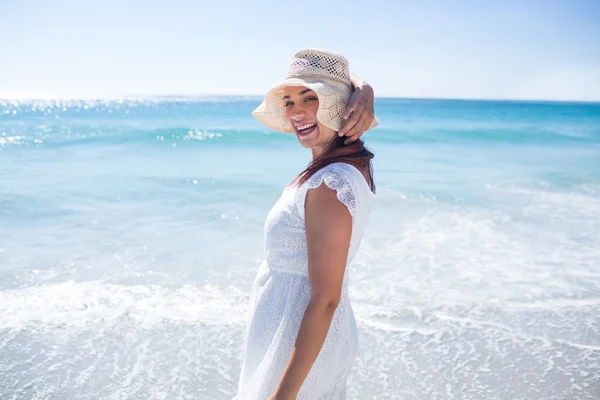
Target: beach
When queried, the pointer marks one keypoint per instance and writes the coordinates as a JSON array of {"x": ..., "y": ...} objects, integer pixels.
[{"x": 132, "y": 230}]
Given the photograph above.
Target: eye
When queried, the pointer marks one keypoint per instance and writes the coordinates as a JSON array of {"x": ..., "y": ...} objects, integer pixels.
[
  {"x": 289, "y": 103},
  {"x": 309, "y": 98}
]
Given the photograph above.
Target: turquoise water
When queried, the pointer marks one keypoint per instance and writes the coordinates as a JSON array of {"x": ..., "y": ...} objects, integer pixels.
[{"x": 131, "y": 232}]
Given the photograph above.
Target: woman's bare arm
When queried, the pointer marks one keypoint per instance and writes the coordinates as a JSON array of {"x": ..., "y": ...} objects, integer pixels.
[{"x": 328, "y": 230}]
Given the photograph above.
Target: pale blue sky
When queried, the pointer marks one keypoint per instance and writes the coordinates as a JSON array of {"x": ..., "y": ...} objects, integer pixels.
[{"x": 516, "y": 49}]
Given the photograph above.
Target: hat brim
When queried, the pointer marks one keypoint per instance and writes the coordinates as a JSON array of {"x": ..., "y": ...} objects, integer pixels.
[{"x": 333, "y": 99}]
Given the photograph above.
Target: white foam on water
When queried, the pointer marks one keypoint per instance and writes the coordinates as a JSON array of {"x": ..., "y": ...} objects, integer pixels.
[
  {"x": 553, "y": 304},
  {"x": 473, "y": 359},
  {"x": 560, "y": 204},
  {"x": 440, "y": 254},
  {"x": 95, "y": 339},
  {"x": 494, "y": 300},
  {"x": 80, "y": 304}
]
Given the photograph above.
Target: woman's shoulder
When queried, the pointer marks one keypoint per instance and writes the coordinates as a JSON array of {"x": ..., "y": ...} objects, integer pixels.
[
  {"x": 341, "y": 169},
  {"x": 350, "y": 174},
  {"x": 346, "y": 180},
  {"x": 340, "y": 176}
]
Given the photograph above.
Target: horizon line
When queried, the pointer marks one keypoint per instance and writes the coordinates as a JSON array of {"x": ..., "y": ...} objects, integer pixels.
[{"x": 174, "y": 97}]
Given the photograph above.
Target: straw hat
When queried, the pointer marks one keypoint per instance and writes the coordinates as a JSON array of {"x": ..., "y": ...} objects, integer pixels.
[{"x": 322, "y": 71}]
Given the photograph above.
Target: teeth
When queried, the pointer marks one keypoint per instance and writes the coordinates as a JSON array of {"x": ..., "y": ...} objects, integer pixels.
[{"x": 303, "y": 127}]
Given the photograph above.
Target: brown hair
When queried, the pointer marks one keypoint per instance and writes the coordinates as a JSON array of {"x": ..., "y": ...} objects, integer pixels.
[{"x": 355, "y": 154}]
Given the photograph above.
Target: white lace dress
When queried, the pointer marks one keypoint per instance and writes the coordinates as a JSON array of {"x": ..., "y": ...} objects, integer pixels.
[{"x": 281, "y": 292}]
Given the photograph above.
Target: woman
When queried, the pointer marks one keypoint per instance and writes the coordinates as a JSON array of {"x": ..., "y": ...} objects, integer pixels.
[{"x": 301, "y": 338}]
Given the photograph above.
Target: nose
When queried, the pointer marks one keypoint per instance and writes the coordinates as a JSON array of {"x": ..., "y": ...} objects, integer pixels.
[{"x": 297, "y": 113}]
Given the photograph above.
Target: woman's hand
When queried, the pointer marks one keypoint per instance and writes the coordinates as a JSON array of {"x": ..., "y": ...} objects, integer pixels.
[{"x": 360, "y": 112}]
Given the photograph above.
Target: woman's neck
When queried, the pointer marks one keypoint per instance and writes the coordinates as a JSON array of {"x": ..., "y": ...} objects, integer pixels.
[{"x": 318, "y": 152}]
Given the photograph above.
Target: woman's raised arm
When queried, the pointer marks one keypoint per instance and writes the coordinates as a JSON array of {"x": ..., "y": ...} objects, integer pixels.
[{"x": 360, "y": 113}]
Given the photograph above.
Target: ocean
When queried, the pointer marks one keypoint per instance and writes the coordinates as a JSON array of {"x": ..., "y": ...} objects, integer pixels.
[{"x": 131, "y": 231}]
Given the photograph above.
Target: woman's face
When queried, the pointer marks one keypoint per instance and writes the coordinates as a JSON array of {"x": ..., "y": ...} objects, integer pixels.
[{"x": 301, "y": 105}]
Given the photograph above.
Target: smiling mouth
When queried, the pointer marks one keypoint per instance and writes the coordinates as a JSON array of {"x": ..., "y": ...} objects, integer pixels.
[{"x": 307, "y": 129}]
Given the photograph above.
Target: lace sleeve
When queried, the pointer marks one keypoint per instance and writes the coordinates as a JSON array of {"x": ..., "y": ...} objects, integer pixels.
[{"x": 336, "y": 178}]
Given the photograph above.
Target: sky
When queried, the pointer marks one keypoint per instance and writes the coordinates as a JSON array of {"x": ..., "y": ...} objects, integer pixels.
[{"x": 463, "y": 49}]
